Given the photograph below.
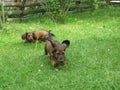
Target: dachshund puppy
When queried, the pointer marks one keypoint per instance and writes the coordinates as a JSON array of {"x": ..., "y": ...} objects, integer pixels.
[
  {"x": 39, "y": 35},
  {"x": 56, "y": 51}
]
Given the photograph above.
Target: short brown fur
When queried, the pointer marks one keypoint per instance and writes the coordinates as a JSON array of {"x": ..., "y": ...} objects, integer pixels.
[
  {"x": 56, "y": 51},
  {"x": 39, "y": 35}
]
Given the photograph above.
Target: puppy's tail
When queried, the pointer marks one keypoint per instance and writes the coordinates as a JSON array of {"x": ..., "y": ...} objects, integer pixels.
[{"x": 51, "y": 34}]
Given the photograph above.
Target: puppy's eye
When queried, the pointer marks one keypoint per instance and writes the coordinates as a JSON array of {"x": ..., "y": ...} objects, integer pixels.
[
  {"x": 53, "y": 51},
  {"x": 57, "y": 53},
  {"x": 63, "y": 52},
  {"x": 28, "y": 35}
]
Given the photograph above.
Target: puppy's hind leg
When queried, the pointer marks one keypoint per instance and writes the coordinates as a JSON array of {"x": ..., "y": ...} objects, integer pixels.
[{"x": 45, "y": 51}]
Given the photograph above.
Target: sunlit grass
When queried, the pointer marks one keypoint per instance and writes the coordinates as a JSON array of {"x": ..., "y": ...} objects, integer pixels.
[{"x": 92, "y": 58}]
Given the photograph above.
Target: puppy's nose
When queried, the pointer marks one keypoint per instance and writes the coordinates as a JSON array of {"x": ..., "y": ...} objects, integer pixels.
[
  {"x": 30, "y": 40},
  {"x": 60, "y": 60}
]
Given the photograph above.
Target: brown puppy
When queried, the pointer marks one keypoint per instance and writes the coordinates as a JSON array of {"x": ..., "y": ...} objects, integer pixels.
[
  {"x": 56, "y": 51},
  {"x": 39, "y": 35}
]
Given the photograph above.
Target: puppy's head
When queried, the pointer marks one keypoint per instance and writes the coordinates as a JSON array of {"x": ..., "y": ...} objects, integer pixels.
[
  {"x": 28, "y": 36},
  {"x": 59, "y": 50}
]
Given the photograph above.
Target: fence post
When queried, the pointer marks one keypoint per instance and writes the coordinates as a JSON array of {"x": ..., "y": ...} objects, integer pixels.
[
  {"x": 0, "y": 18},
  {"x": 0, "y": 14},
  {"x": 3, "y": 11}
]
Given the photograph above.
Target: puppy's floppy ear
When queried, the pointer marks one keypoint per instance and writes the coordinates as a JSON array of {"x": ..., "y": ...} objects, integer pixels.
[
  {"x": 24, "y": 36},
  {"x": 66, "y": 43},
  {"x": 34, "y": 37}
]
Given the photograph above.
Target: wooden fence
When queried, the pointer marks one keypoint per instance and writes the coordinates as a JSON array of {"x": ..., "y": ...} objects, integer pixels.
[{"x": 20, "y": 8}]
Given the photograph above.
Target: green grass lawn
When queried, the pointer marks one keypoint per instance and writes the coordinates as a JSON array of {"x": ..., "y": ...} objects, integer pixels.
[{"x": 93, "y": 60}]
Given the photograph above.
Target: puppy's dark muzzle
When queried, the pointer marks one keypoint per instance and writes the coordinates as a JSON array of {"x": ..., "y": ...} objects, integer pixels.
[
  {"x": 30, "y": 40},
  {"x": 60, "y": 61}
]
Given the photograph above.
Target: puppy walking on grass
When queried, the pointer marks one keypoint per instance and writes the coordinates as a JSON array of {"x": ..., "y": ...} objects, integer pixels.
[
  {"x": 39, "y": 35},
  {"x": 56, "y": 51}
]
